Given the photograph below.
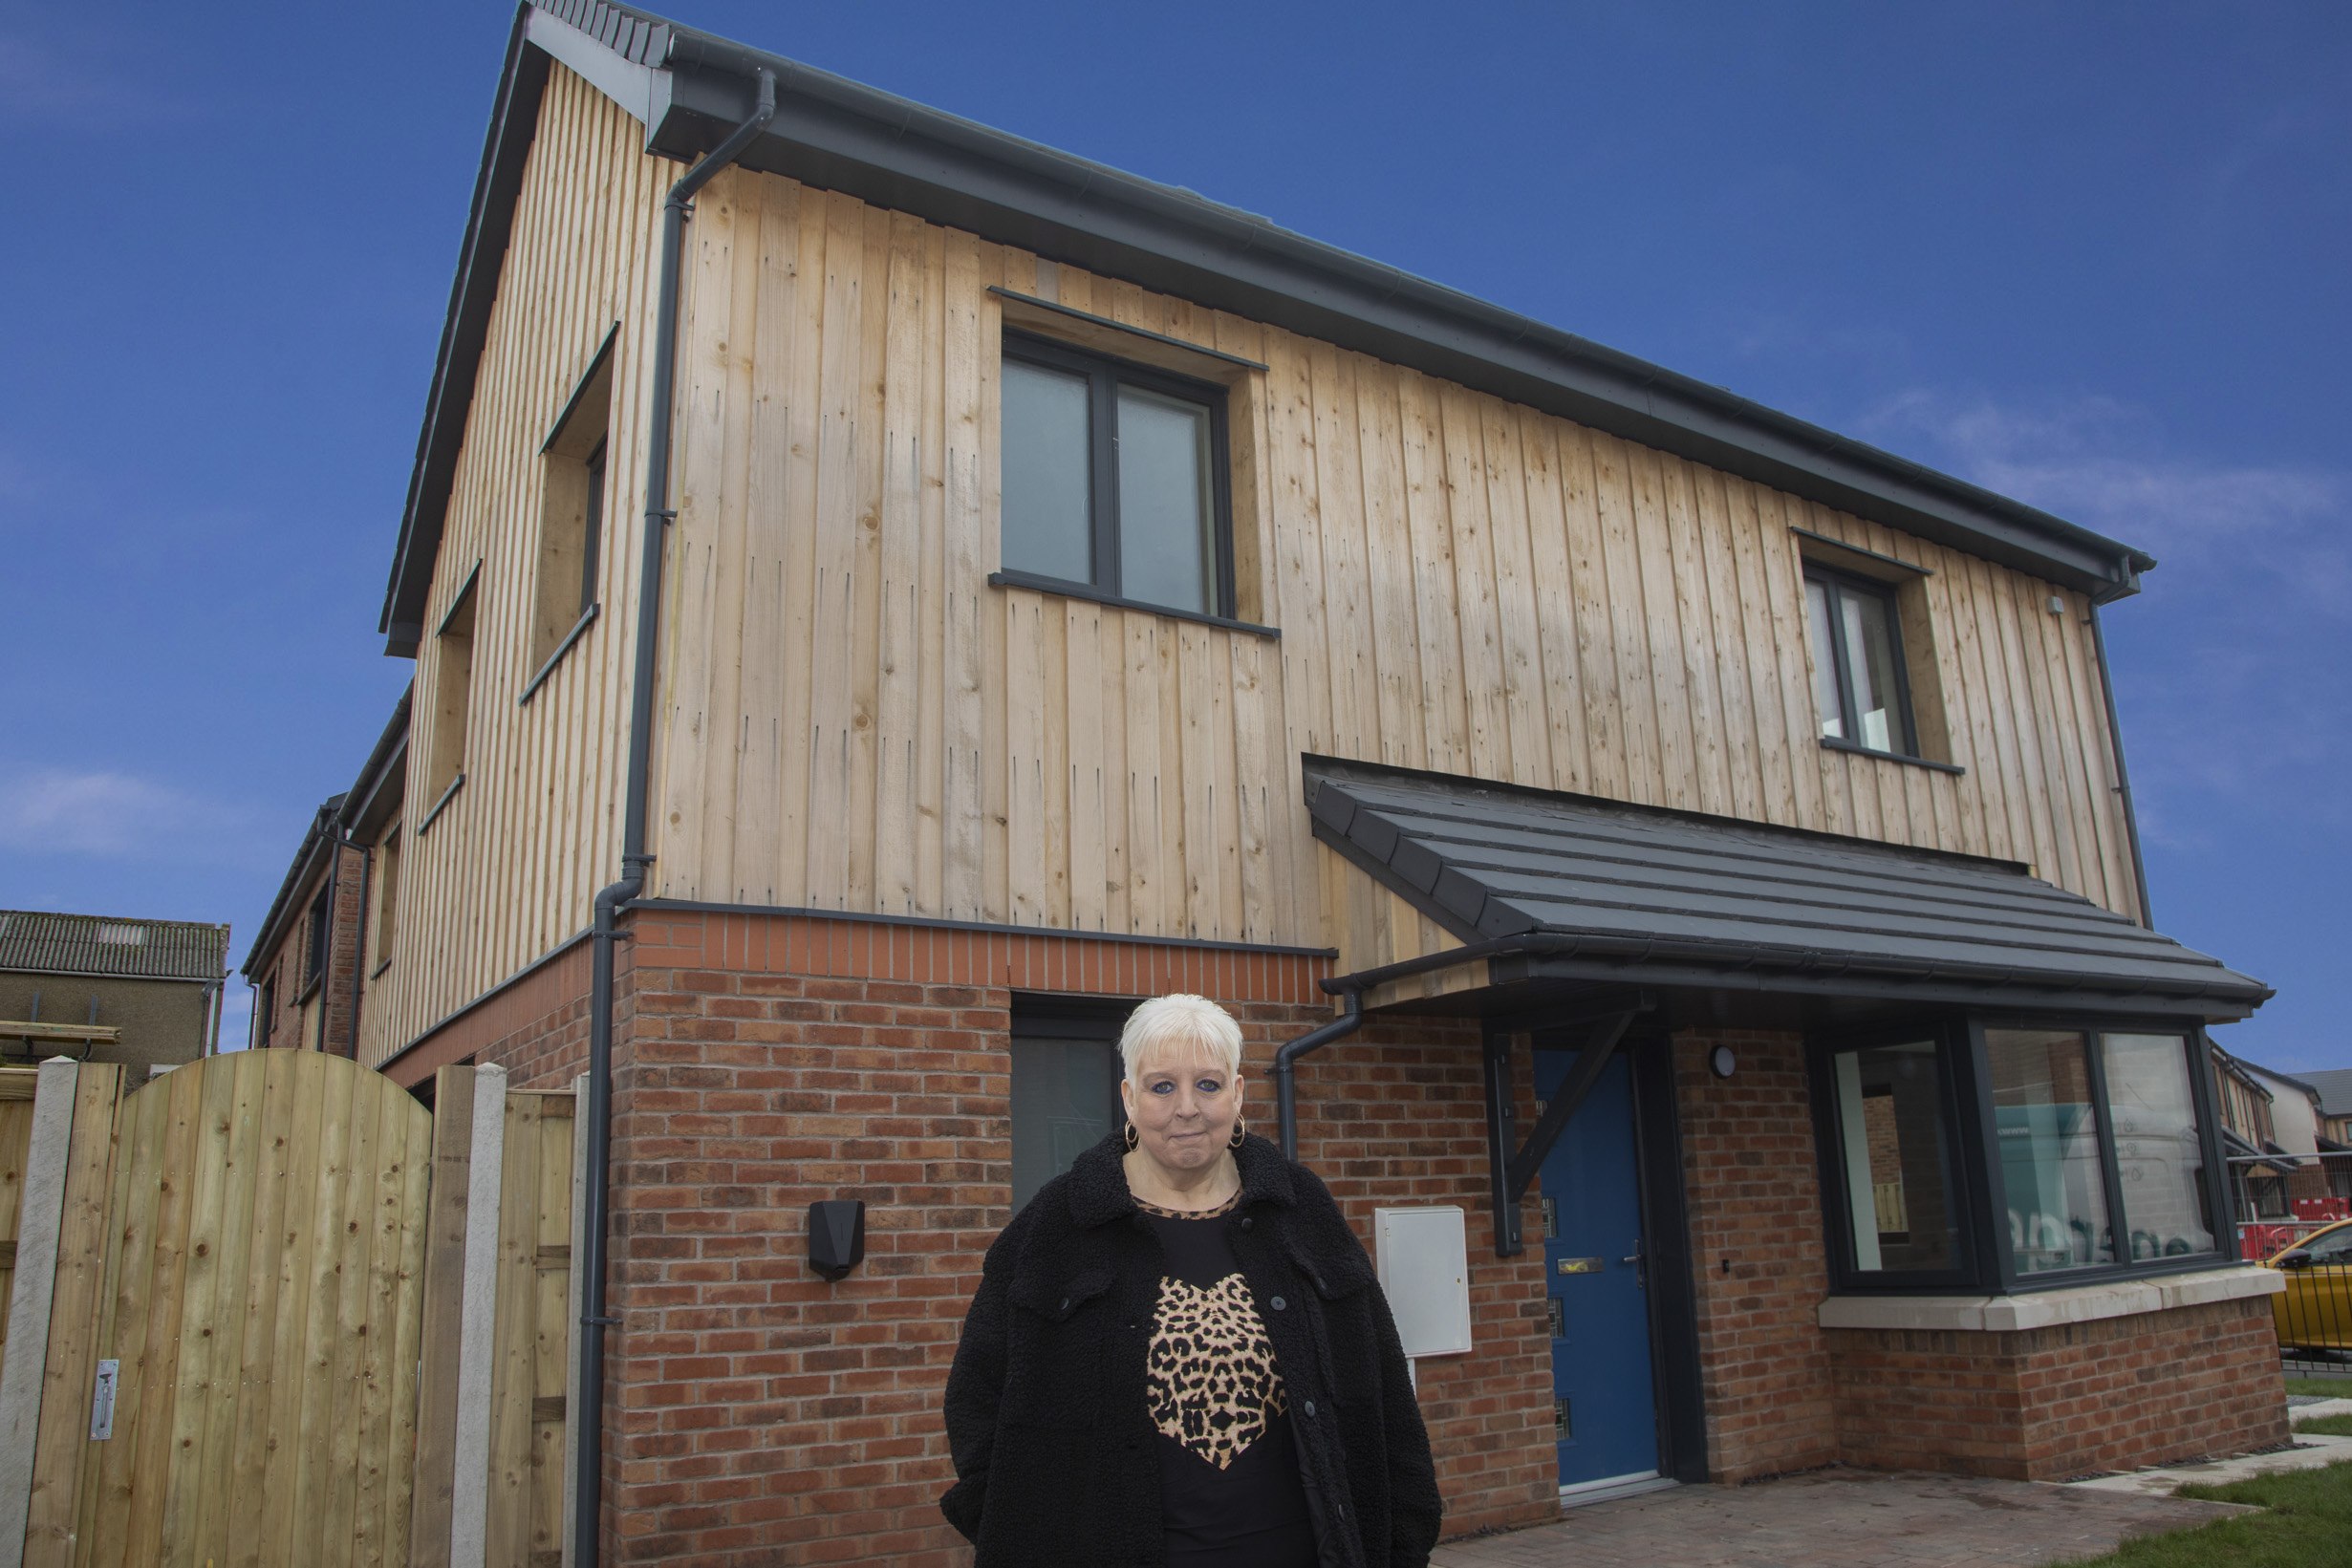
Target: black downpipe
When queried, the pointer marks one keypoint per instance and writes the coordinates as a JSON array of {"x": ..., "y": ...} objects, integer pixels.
[
  {"x": 588, "y": 1455},
  {"x": 2122, "y": 774},
  {"x": 1286, "y": 1066}
]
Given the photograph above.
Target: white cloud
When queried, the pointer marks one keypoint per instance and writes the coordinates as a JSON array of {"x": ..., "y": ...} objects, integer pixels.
[
  {"x": 117, "y": 816},
  {"x": 2101, "y": 463}
]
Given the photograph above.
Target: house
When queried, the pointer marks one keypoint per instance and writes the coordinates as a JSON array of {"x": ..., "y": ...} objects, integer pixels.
[
  {"x": 330, "y": 929},
  {"x": 2335, "y": 1139},
  {"x": 142, "y": 992},
  {"x": 885, "y": 595}
]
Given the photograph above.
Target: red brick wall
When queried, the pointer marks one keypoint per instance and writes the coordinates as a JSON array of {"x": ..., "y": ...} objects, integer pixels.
[
  {"x": 1759, "y": 1263},
  {"x": 2040, "y": 1405},
  {"x": 756, "y": 1413},
  {"x": 288, "y": 1030}
]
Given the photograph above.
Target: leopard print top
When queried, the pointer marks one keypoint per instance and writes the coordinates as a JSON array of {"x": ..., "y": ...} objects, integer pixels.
[{"x": 1212, "y": 1382}]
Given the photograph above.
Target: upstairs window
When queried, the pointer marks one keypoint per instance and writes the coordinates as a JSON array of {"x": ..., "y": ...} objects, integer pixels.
[
  {"x": 572, "y": 509},
  {"x": 451, "y": 714},
  {"x": 387, "y": 898},
  {"x": 1115, "y": 480},
  {"x": 1859, "y": 682},
  {"x": 315, "y": 961}
]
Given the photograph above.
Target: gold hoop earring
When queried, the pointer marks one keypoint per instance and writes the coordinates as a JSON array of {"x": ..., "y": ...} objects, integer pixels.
[
  {"x": 1240, "y": 1131},
  {"x": 1131, "y": 1137}
]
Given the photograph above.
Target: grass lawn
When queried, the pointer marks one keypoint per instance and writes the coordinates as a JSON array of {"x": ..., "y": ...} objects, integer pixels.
[
  {"x": 2326, "y": 1426},
  {"x": 2309, "y": 1525},
  {"x": 2321, "y": 1387}
]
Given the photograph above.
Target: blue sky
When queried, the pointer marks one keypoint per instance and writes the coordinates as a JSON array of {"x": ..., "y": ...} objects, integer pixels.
[{"x": 2091, "y": 255}]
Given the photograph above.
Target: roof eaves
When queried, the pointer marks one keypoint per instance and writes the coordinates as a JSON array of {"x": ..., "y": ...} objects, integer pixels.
[
  {"x": 315, "y": 841},
  {"x": 842, "y": 135}
]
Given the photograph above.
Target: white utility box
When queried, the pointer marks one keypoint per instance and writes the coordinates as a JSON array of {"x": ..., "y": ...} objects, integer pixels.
[{"x": 1423, "y": 1258}]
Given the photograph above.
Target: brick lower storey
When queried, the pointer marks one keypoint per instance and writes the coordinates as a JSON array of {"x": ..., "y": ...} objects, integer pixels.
[
  {"x": 2049, "y": 1402},
  {"x": 756, "y": 1414}
]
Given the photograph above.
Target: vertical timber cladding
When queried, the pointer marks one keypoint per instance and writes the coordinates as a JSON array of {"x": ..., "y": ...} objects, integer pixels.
[
  {"x": 264, "y": 1240},
  {"x": 508, "y": 868},
  {"x": 16, "y": 1085},
  {"x": 853, "y": 719}
]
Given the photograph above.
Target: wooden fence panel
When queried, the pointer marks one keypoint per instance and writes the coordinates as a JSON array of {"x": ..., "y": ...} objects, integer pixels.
[
  {"x": 275, "y": 1249},
  {"x": 16, "y": 1140},
  {"x": 253, "y": 1318}
]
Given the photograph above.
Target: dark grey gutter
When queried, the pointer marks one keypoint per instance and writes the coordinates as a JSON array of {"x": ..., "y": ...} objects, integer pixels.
[
  {"x": 839, "y": 135},
  {"x": 588, "y": 1423}
]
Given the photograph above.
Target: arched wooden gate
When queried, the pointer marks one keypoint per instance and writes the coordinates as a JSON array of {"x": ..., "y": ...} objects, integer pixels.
[{"x": 244, "y": 1250}]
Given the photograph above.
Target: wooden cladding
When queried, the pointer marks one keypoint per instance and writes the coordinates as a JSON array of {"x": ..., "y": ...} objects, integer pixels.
[{"x": 851, "y": 717}]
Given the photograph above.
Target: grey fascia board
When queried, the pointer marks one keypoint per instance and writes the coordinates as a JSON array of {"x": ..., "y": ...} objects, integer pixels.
[
  {"x": 639, "y": 89},
  {"x": 315, "y": 842}
]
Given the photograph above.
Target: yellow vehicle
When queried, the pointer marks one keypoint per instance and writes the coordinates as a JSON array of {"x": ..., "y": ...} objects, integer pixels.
[{"x": 2315, "y": 1311}]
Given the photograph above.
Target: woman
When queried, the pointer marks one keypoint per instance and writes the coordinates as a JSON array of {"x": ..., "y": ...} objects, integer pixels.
[{"x": 1178, "y": 1354}]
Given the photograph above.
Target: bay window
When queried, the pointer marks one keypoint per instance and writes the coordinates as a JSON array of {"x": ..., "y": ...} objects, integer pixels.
[{"x": 2000, "y": 1156}]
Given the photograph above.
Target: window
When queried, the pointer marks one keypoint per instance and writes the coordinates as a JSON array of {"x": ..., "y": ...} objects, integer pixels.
[
  {"x": 571, "y": 516},
  {"x": 1999, "y": 1156},
  {"x": 1893, "y": 1155},
  {"x": 387, "y": 898},
  {"x": 453, "y": 696},
  {"x": 2100, "y": 1157},
  {"x": 1065, "y": 1091},
  {"x": 1115, "y": 480},
  {"x": 265, "y": 1016},
  {"x": 314, "y": 962},
  {"x": 1860, "y": 687}
]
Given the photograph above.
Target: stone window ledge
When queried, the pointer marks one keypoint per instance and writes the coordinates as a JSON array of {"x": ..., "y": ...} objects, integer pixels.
[{"x": 2045, "y": 1309}]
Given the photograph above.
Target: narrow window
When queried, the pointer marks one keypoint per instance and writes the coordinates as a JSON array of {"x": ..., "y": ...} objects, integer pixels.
[
  {"x": 453, "y": 693},
  {"x": 2158, "y": 1148},
  {"x": 1891, "y": 1151},
  {"x": 1064, "y": 1099},
  {"x": 316, "y": 963},
  {"x": 269, "y": 1021},
  {"x": 2053, "y": 1170},
  {"x": 387, "y": 920},
  {"x": 1114, "y": 479},
  {"x": 571, "y": 516},
  {"x": 1859, "y": 684}
]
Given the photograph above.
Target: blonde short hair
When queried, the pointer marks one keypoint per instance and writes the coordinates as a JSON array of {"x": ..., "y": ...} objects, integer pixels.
[{"x": 1179, "y": 1019}]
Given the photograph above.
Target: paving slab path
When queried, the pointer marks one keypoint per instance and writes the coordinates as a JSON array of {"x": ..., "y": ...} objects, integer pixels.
[{"x": 1840, "y": 1518}]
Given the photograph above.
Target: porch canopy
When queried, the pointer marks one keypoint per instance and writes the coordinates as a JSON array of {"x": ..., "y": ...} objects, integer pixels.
[{"x": 1563, "y": 894}]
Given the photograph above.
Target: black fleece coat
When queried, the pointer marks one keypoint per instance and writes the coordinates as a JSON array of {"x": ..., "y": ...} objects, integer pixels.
[{"x": 1055, "y": 1456}]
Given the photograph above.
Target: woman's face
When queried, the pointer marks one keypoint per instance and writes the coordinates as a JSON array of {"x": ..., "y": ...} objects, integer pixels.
[{"x": 1183, "y": 1104}]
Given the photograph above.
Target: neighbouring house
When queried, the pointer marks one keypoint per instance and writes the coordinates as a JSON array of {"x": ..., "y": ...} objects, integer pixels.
[
  {"x": 885, "y": 605},
  {"x": 331, "y": 928},
  {"x": 2334, "y": 1090},
  {"x": 145, "y": 994},
  {"x": 2259, "y": 1166}
]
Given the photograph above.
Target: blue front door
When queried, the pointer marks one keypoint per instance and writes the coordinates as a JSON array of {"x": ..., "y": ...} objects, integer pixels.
[{"x": 1592, "y": 1274}]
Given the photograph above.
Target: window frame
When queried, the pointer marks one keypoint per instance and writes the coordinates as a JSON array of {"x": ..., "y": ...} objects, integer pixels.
[
  {"x": 1965, "y": 1172},
  {"x": 1048, "y": 1016},
  {"x": 1889, "y": 595},
  {"x": 1972, "y": 1122},
  {"x": 1105, "y": 375}
]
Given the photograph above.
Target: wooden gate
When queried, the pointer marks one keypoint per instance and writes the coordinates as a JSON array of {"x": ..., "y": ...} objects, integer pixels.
[{"x": 250, "y": 1331}]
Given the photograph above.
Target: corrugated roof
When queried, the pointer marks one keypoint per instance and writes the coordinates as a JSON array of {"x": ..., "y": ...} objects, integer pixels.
[
  {"x": 1689, "y": 899},
  {"x": 38, "y": 942}
]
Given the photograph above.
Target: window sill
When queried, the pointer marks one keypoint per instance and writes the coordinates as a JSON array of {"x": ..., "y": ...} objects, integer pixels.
[
  {"x": 378, "y": 970},
  {"x": 587, "y": 617},
  {"x": 1848, "y": 746},
  {"x": 1095, "y": 595},
  {"x": 2045, "y": 1309},
  {"x": 310, "y": 990},
  {"x": 446, "y": 796}
]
